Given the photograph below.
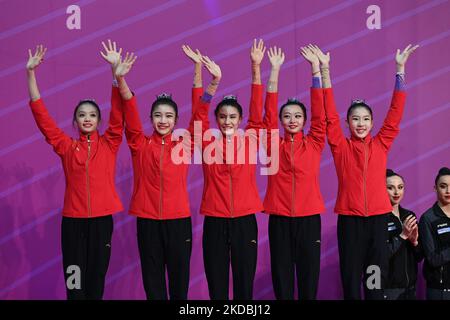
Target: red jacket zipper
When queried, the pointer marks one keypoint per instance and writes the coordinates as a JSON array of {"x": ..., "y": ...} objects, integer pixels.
[
  {"x": 231, "y": 191},
  {"x": 365, "y": 178},
  {"x": 87, "y": 176},
  {"x": 231, "y": 185},
  {"x": 293, "y": 176},
  {"x": 161, "y": 179}
]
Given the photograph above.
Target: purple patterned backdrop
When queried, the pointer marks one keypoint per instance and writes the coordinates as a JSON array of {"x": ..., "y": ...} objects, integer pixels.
[{"x": 32, "y": 181}]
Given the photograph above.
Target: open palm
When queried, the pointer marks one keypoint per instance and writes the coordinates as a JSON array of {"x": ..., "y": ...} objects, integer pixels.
[
  {"x": 212, "y": 67},
  {"x": 125, "y": 66},
  {"x": 195, "y": 56},
  {"x": 323, "y": 58},
  {"x": 111, "y": 55},
  {"x": 276, "y": 57},
  {"x": 309, "y": 55},
  {"x": 402, "y": 57},
  {"x": 36, "y": 59},
  {"x": 257, "y": 51}
]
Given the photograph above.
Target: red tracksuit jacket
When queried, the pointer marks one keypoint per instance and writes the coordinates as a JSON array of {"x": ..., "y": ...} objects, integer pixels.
[
  {"x": 89, "y": 163},
  {"x": 230, "y": 190},
  {"x": 361, "y": 163},
  {"x": 160, "y": 185},
  {"x": 294, "y": 190}
]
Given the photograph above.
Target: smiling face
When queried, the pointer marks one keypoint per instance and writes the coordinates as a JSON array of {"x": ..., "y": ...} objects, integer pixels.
[
  {"x": 228, "y": 120},
  {"x": 360, "y": 122},
  {"x": 443, "y": 190},
  {"x": 87, "y": 118},
  {"x": 164, "y": 119},
  {"x": 292, "y": 118},
  {"x": 395, "y": 188}
]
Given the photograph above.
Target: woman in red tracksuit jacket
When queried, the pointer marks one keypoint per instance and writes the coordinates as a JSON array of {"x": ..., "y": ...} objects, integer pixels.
[
  {"x": 160, "y": 198},
  {"x": 362, "y": 202},
  {"x": 90, "y": 197},
  {"x": 230, "y": 195},
  {"x": 293, "y": 198}
]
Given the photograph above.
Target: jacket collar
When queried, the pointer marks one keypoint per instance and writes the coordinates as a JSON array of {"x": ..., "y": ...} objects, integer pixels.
[
  {"x": 296, "y": 137},
  {"x": 366, "y": 140},
  {"x": 92, "y": 136},
  {"x": 158, "y": 138},
  {"x": 224, "y": 138},
  {"x": 438, "y": 211}
]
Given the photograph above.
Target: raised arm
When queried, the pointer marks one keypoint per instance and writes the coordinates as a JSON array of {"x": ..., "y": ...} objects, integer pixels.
[
  {"x": 310, "y": 55},
  {"x": 53, "y": 134},
  {"x": 121, "y": 70},
  {"x": 202, "y": 109},
  {"x": 111, "y": 56},
  {"x": 196, "y": 58},
  {"x": 391, "y": 124},
  {"x": 34, "y": 60},
  {"x": 401, "y": 57},
  {"x": 324, "y": 60},
  {"x": 318, "y": 121},
  {"x": 255, "y": 120},
  {"x": 276, "y": 58},
  {"x": 197, "y": 88},
  {"x": 270, "y": 120},
  {"x": 216, "y": 75},
  {"x": 256, "y": 55},
  {"x": 114, "y": 132},
  {"x": 334, "y": 131},
  {"x": 133, "y": 126}
]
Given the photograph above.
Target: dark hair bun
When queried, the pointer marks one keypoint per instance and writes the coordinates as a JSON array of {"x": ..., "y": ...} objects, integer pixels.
[
  {"x": 230, "y": 97},
  {"x": 444, "y": 171},
  {"x": 164, "y": 95},
  {"x": 293, "y": 100},
  {"x": 390, "y": 173}
]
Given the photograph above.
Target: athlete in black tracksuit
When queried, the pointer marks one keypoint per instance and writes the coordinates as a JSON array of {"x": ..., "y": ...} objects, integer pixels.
[
  {"x": 403, "y": 260},
  {"x": 434, "y": 232}
]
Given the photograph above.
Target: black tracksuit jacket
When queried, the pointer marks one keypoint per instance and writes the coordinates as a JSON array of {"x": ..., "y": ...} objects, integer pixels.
[
  {"x": 403, "y": 256},
  {"x": 434, "y": 233}
]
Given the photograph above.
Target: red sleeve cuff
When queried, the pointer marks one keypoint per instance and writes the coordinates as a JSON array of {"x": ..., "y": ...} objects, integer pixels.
[
  {"x": 197, "y": 90},
  {"x": 258, "y": 87},
  {"x": 37, "y": 103}
]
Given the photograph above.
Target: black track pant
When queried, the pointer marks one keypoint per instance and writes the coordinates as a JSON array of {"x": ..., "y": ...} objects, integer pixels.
[
  {"x": 363, "y": 254},
  {"x": 234, "y": 239},
  {"x": 86, "y": 248},
  {"x": 295, "y": 248},
  {"x": 165, "y": 243},
  {"x": 400, "y": 294}
]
